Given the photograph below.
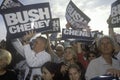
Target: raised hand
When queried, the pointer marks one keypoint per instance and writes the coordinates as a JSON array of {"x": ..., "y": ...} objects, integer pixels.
[{"x": 28, "y": 36}]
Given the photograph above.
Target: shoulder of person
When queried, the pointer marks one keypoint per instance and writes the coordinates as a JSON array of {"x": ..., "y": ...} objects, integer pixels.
[
  {"x": 11, "y": 72},
  {"x": 96, "y": 60}
]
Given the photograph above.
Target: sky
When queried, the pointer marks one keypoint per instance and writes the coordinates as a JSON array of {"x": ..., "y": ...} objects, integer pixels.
[{"x": 97, "y": 10}]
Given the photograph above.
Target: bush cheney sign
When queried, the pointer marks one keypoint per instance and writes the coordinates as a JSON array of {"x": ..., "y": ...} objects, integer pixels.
[
  {"x": 115, "y": 14},
  {"x": 55, "y": 24},
  {"x": 76, "y": 17},
  {"x": 10, "y": 4},
  {"x": 31, "y": 17},
  {"x": 78, "y": 34}
]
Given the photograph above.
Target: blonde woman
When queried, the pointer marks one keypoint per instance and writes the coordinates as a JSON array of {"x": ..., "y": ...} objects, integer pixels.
[
  {"x": 5, "y": 60},
  {"x": 70, "y": 58}
]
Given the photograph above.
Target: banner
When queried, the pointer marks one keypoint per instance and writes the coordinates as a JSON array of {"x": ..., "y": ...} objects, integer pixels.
[
  {"x": 10, "y": 4},
  {"x": 115, "y": 14},
  {"x": 55, "y": 24},
  {"x": 97, "y": 34},
  {"x": 117, "y": 36},
  {"x": 77, "y": 34},
  {"x": 19, "y": 20},
  {"x": 75, "y": 17},
  {"x": 53, "y": 36}
]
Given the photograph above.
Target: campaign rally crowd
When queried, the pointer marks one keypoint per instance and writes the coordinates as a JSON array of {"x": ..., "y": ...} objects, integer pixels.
[
  {"x": 78, "y": 54},
  {"x": 39, "y": 59}
]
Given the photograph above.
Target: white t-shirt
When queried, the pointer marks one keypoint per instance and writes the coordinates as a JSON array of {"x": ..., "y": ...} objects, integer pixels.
[
  {"x": 35, "y": 60},
  {"x": 32, "y": 59},
  {"x": 99, "y": 66}
]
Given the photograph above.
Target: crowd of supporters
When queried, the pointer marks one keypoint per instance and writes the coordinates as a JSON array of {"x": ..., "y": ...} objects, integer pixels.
[{"x": 38, "y": 59}]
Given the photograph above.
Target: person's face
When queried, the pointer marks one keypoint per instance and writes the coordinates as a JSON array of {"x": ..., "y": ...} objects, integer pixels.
[
  {"x": 74, "y": 74},
  {"x": 59, "y": 51},
  {"x": 38, "y": 45},
  {"x": 106, "y": 47},
  {"x": 91, "y": 56},
  {"x": 68, "y": 54},
  {"x": 46, "y": 75}
]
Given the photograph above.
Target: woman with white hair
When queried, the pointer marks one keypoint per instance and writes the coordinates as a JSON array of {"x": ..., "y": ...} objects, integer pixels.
[
  {"x": 5, "y": 60},
  {"x": 105, "y": 63}
]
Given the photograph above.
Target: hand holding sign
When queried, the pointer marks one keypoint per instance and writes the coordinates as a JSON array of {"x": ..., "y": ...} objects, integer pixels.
[
  {"x": 114, "y": 72},
  {"x": 26, "y": 38}
]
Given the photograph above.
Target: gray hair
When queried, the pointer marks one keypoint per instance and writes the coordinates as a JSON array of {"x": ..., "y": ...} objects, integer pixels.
[
  {"x": 105, "y": 37},
  {"x": 4, "y": 54}
]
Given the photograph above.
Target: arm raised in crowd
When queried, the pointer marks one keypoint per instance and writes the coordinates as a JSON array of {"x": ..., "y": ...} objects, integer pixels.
[
  {"x": 18, "y": 43},
  {"x": 80, "y": 55},
  {"x": 79, "y": 48},
  {"x": 35, "y": 56},
  {"x": 26, "y": 38},
  {"x": 49, "y": 49}
]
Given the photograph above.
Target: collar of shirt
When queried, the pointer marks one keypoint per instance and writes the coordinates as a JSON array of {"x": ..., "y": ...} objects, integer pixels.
[
  {"x": 39, "y": 53},
  {"x": 102, "y": 60}
]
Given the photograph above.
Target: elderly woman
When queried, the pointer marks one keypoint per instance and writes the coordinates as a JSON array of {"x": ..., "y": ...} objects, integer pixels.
[
  {"x": 105, "y": 62},
  {"x": 5, "y": 59}
]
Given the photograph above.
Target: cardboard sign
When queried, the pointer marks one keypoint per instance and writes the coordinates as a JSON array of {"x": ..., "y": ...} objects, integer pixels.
[
  {"x": 97, "y": 34},
  {"x": 76, "y": 17},
  {"x": 117, "y": 36},
  {"x": 19, "y": 20},
  {"x": 55, "y": 24},
  {"x": 77, "y": 34},
  {"x": 53, "y": 36},
  {"x": 115, "y": 14},
  {"x": 10, "y": 4}
]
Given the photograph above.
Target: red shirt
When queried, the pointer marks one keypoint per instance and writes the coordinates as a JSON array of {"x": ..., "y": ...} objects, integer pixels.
[{"x": 82, "y": 60}]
